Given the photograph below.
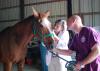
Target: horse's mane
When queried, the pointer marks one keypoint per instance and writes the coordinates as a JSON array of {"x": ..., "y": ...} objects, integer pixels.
[
  {"x": 25, "y": 20},
  {"x": 4, "y": 30}
]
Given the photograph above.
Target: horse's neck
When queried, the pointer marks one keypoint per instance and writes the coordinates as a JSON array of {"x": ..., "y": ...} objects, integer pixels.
[{"x": 23, "y": 33}]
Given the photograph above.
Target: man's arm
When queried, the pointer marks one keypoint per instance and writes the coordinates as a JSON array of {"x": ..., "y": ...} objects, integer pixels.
[
  {"x": 95, "y": 52},
  {"x": 63, "y": 52}
]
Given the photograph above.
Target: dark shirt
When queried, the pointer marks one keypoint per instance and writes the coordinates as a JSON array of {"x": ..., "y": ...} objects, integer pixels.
[{"x": 82, "y": 44}]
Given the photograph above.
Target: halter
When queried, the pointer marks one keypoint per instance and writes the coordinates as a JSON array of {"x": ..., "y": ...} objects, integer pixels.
[
  {"x": 34, "y": 31},
  {"x": 48, "y": 35}
]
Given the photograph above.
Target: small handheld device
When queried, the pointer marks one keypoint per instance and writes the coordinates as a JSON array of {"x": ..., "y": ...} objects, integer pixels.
[{"x": 70, "y": 65}]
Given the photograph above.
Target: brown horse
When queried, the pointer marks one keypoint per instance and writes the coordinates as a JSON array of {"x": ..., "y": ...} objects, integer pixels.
[{"x": 13, "y": 40}]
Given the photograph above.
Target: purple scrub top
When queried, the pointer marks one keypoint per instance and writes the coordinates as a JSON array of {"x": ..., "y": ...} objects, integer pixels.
[{"x": 82, "y": 44}]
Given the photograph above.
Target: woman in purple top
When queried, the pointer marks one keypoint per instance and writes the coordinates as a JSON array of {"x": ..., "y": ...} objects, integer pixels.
[{"x": 86, "y": 44}]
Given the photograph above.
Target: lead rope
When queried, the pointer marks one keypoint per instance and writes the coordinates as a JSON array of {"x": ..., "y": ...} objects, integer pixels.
[{"x": 69, "y": 64}]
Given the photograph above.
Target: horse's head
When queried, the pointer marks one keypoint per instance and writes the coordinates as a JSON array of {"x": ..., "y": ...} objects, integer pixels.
[{"x": 45, "y": 32}]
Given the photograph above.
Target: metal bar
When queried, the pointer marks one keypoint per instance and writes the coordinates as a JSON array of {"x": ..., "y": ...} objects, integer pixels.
[
  {"x": 9, "y": 7},
  {"x": 54, "y": 16},
  {"x": 9, "y": 20},
  {"x": 88, "y": 13},
  {"x": 45, "y": 2},
  {"x": 22, "y": 13},
  {"x": 69, "y": 7}
]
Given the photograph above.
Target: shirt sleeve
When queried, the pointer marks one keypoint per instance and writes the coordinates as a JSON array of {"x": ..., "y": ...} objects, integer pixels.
[
  {"x": 63, "y": 41},
  {"x": 93, "y": 37}
]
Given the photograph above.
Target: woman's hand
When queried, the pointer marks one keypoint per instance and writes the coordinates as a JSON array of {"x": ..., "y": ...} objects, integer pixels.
[
  {"x": 55, "y": 50},
  {"x": 55, "y": 37}
]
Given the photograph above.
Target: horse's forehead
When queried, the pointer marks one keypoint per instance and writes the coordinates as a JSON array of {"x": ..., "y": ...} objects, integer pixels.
[{"x": 46, "y": 23}]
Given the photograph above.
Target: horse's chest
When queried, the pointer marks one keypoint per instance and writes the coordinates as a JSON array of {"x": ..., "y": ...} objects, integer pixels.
[
  {"x": 18, "y": 55},
  {"x": 20, "y": 52}
]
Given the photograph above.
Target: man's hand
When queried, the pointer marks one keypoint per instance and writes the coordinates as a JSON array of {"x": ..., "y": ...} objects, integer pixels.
[
  {"x": 63, "y": 52},
  {"x": 79, "y": 66}
]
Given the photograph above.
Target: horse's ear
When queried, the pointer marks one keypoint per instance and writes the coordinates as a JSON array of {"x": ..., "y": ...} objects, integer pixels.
[
  {"x": 47, "y": 13},
  {"x": 35, "y": 13}
]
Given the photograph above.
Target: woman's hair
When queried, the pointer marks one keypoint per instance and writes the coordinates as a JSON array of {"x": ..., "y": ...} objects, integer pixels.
[
  {"x": 62, "y": 22},
  {"x": 58, "y": 21}
]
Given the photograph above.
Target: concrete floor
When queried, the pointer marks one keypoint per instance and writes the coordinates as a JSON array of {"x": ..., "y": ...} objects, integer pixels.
[{"x": 26, "y": 68}]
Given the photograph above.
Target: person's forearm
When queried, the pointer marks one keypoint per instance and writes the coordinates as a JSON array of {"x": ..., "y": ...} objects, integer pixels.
[
  {"x": 64, "y": 52},
  {"x": 92, "y": 55}
]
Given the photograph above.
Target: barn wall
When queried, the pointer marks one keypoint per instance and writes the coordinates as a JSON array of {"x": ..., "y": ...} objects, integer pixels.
[
  {"x": 58, "y": 8},
  {"x": 10, "y": 10},
  {"x": 9, "y": 13},
  {"x": 89, "y": 10}
]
